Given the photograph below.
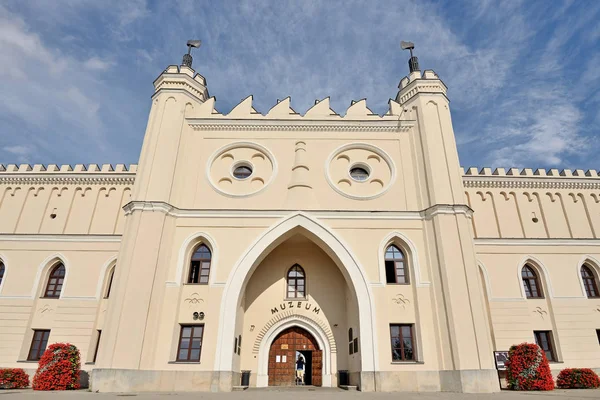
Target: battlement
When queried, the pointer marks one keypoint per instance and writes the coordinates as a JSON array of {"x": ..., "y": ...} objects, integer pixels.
[
  {"x": 529, "y": 172},
  {"x": 321, "y": 110},
  {"x": 68, "y": 169}
]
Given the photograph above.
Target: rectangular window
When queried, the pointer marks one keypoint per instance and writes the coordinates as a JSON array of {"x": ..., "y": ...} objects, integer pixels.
[
  {"x": 598, "y": 334},
  {"x": 97, "y": 345},
  {"x": 190, "y": 343},
  {"x": 199, "y": 272},
  {"x": 544, "y": 340},
  {"x": 402, "y": 342},
  {"x": 38, "y": 344}
]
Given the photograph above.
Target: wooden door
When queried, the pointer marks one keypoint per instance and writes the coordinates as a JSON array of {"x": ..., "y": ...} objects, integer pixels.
[
  {"x": 317, "y": 368},
  {"x": 282, "y": 357}
]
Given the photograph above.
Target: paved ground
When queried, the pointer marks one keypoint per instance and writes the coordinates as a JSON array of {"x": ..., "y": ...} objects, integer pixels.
[{"x": 301, "y": 394}]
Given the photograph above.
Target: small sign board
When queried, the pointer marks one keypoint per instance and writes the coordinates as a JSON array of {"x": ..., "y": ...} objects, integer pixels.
[
  {"x": 284, "y": 347},
  {"x": 501, "y": 357}
]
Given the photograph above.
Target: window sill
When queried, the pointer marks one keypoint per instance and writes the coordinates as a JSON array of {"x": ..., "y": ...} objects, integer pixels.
[
  {"x": 196, "y": 284},
  {"x": 406, "y": 362},
  {"x": 184, "y": 362},
  {"x": 296, "y": 299},
  {"x": 556, "y": 362},
  {"x": 90, "y": 363},
  {"x": 50, "y": 298},
  {"x": 28, "y": 361}
]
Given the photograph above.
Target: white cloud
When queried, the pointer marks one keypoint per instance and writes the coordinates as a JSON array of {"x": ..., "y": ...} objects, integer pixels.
[{"x": 97, "y": 64}]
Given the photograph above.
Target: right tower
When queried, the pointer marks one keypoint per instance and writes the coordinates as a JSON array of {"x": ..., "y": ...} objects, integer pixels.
[{"x": 466, "y": 358}]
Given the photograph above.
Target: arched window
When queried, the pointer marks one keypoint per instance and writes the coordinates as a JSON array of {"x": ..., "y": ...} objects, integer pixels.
[
  {"x": 531, "y": 283},
  {"x": 589, "y": 282},
  {"x": 1, "y": 272},
  {"x": 296, "y": 282},
  {"x": 200, "y": 265},
  {"x": 110, "y": 282},
  {"x": 55, "y": 281},
  {"x": 395, "y": 266}
]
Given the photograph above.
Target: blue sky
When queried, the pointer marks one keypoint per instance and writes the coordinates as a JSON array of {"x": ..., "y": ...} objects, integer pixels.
[{"x": 523, "y": 76}]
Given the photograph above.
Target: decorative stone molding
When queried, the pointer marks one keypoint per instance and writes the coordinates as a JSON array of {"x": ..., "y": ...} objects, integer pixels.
[
  {"x": 291, "y": 314},
  {"x": 524, "y": 183},
  {"x": 401, "y": 300},
  {"x": 271, "y": 126},
  {"x": 540, "y": 312},
  {"x": 428, "y": 213}
]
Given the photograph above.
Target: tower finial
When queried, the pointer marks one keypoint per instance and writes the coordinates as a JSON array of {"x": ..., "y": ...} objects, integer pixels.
[
  {"x": 187, "y": 58},
  {"x": 413, "y": 63}
]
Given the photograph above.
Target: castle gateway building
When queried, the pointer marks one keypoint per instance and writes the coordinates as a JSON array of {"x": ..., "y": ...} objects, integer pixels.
[{"x": 241, "y": 242}]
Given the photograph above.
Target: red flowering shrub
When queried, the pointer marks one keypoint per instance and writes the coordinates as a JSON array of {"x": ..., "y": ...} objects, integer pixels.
[
  {"x": 13, "y": 378},
  {"x": 59, "y": 368},
  {"x": 577, "y": 378},
  {"x": 527, "y": 368}
]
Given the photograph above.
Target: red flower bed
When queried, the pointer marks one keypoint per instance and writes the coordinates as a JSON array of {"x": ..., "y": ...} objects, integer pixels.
[
  {"x": 13, "y": 378},
  {"x": 577, "y": 378},
  {"x": 527, "y": 368},
  {"x": 59, "y": 368}
]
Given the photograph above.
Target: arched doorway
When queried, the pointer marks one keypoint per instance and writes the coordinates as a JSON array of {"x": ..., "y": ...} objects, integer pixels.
[{"x": 290, "y": 345}]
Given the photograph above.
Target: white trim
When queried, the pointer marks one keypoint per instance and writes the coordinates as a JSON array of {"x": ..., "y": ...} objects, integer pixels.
[
  {"x": 536, "y": 242},
  {"x": 413, "y": 262},
  {"x": 103, "y": 276},
  {"x": 59, "y": 238},
  {"x": 593, "y": 264},
  {"x": 42, "y": 271},
  {"x": 426, "y": 214},
  {"x": 262, "y": 378},
  {"x": 541, "y": 270},
  {"x": 362, "y": 146},
  {"x": 346, "y": 262},
  {"x": 486, "y": 280},
  {"x": 182, "y": 258},
  {"x": 252, "y": 145}
]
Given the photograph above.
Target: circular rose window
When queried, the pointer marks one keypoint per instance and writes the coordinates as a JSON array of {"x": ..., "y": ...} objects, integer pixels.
[{"x": 360, "y": 171}]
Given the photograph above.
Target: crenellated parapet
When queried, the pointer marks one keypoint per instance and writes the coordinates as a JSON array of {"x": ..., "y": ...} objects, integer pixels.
[
  {"x": 321, "y": 110},
  {"x": 416, "y": 83},
  {"x": 528, "y": 203},
  {"x": 68, "y": 174},
  {"x": 182, "y": 78}
]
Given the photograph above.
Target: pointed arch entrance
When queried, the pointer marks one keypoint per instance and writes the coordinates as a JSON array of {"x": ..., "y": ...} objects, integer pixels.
[{"x": 334, "y": 247}]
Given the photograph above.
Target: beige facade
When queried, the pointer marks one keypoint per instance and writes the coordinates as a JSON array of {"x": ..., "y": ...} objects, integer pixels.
[{"x": 465, "y": 240}]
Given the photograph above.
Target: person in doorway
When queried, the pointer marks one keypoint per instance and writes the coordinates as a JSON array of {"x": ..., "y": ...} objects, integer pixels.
[{"x": 300, "y": 370}]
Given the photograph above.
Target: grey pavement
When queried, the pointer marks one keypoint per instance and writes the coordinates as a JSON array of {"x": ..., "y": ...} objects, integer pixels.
[{"x": 300, "y": 394}]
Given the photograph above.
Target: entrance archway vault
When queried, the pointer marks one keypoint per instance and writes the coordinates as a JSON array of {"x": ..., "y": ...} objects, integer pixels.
[{"x": 260, "y": 248}]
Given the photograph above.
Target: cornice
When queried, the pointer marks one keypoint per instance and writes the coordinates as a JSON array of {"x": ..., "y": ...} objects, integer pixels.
[
  {"x": 26, "y": 179},
  {"x": 421, "y": 86},
  {"x": 536, "y": 242},
  {"x": 531, "y": 183},
  {"x": 390, "y": 125},
  {"x": 23, "y": 237},
  {"x": 426, "y": 214}
]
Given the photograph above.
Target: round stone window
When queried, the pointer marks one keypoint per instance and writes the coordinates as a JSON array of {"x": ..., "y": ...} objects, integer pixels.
[
  {"x": 359, "y": 173},
  {"x": 242, "y": 171}
]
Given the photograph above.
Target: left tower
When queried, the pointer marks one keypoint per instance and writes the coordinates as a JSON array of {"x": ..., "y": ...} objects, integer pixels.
[{"x": 133, "y": 317}]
